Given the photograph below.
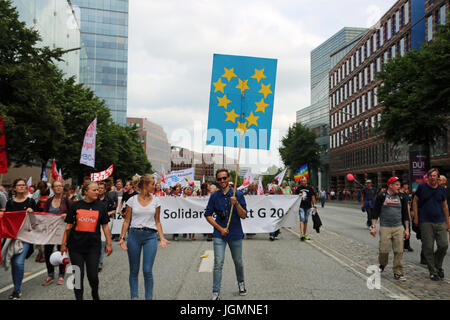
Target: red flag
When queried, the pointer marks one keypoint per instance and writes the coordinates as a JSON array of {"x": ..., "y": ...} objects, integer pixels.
[
  {"x": 54, "y": 172},
  {"x": 3, "y": 162},
  {"x": 11, "y": 223}
]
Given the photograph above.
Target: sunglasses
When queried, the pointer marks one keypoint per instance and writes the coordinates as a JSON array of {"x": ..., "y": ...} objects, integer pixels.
[{"x": 222, "y": 179}]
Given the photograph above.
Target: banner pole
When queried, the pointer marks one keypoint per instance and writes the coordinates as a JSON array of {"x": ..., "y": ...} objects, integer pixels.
[{"x": 237, "y": 169}]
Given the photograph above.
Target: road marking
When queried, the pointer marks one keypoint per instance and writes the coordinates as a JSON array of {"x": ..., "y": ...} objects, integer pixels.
[
  {"x": 405, "y": 296},
  {"x": 207, "y": 263},
  {"x": 24, "y": 280}
]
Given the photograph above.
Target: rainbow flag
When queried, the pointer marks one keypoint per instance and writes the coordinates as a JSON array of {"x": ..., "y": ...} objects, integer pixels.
[{"x": 302, "y": 172}]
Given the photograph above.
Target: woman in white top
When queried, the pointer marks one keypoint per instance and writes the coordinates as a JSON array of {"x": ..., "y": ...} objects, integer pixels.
[{"x": 143, "y": 211}]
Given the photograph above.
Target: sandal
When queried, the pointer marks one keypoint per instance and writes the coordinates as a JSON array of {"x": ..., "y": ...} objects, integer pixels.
[
  {"x": 47, "y": 281},
  {"x": 60, "y": 281}
]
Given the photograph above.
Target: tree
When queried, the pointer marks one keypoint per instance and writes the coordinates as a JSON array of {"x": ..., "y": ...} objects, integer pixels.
[
  {"x": 46, "y": 115},
  {"x": 27, "y": 80},
  {"x": 416, "y": 94},
  {"x": 299, "y": 147}
]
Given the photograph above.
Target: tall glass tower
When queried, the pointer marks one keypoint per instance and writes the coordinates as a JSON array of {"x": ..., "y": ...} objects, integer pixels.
[{"x": 104, "y": 31}]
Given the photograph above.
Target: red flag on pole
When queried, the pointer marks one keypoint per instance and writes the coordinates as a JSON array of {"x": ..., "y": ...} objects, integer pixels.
[{"x": 54, "y": 172}]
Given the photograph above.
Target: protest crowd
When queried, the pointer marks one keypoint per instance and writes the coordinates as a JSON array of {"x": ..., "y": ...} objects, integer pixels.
[{"x": 87, "y": 243}]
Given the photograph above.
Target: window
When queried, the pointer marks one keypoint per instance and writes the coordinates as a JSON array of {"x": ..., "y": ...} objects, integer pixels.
[
  {"x": 368, "y": 48},
  {"x": 372, "y": 72},
  {"x": 403, "y": 16},
  {"x": 389, "y": 29},
  {"x": 375, "y": 97},
  {"x": 363, "y": 103},
  {"x": 406, "y": 12},
  {"x": 362, "y": 53},
  {"x": 442, "y": 12},
  {"x": 378, "y": 64},
  {"x": 430, "y": 28},
  {"x": 353, "y": 109},
  {"x": 365, "y": 76},
  {"x": 381, "y": 36},
  {"x": 360, "y": 81},
  {"x": 402, "y": 47},
  {"x": 393, "y": 51},
  {"x": 352, "y": 63},
  {"x": 357, "y": 107},
  {"x": 357, "y": 58},
  {"x": 345, "y": 91},
  {"x": 374, "y": 42},
  {"x": 369, "y": 96},
  {"x": 397, "y": 22},
  {"x": 355, "y": 84}
]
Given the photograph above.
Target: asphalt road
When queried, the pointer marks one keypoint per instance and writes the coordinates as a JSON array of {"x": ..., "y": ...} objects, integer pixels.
[{"x": 285, "y": 269}]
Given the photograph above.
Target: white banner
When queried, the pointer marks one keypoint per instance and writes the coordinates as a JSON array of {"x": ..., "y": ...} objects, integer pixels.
[
  {"x": 42, "y": 228},
  {"x": 88, "y": 150},
  {"x": 180, "y": 176},
  {"x": 264, "y": 214}
]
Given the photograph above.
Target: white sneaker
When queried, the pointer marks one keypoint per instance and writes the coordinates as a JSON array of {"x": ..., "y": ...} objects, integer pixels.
[{"x": 215, "y": 296}]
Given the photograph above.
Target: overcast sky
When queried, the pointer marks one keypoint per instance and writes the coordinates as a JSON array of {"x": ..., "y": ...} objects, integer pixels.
[{"x": 172, "y": 42}]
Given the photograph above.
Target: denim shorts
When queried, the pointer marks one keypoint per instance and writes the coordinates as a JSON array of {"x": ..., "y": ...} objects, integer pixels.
[{"x": 304, "y": 214}]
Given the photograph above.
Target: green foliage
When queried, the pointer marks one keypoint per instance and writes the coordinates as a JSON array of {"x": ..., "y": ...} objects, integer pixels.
[
  {"x": 416, "y": 93},
  {"x": 299, "y": 147}
]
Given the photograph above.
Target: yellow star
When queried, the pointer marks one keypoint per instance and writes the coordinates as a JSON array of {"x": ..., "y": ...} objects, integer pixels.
[
  {"x": 261, "y": 106},
  {"x": 265, "y": 90},
  {"x": 219, "y": 85},
  {"x": 231, "y": 116},
  {"x": 243, "y": 86},
  {"x": 242, "y": 127},
  {"x": 223, "y": 102},
  {"x": 252, "y": 119},
  {"x": 259, "y": 74},
  {"x": 229, "y": 73}
]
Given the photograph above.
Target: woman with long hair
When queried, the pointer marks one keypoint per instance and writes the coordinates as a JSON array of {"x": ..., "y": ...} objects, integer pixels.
[
  {"x": 82, "y": 237},
  {"x": 143, "y": 218},
  {"x": 58, "y": 204},
  {"x": 21, "y": 202}
]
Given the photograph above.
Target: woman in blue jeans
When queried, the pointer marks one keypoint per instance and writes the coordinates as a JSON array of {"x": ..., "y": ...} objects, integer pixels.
[
  {"x": 20, "y": 203},
  {"x": 142, "y": 216}
]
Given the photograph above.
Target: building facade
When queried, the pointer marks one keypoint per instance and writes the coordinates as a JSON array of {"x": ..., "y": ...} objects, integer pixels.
[
  {"x": 155, "y": 143},
  {"x": 56, "y": 22},
  {"x": 316, "y": 116},
  {"x": 355, "y": 144},
  {"x": 104, "y": 31}
]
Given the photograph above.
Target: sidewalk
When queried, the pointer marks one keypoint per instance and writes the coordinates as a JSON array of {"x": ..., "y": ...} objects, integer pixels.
[{"x": 360, "y": 256}]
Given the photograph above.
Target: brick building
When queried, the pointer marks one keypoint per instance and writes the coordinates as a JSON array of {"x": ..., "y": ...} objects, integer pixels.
[{"x": 355, "y": 146}]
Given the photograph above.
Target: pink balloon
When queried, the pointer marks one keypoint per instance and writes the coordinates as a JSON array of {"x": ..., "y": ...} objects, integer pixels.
[{"x": 350, "y": 177}]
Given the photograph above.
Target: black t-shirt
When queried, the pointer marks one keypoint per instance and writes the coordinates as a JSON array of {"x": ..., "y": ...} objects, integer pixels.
[
  {"x": 12, "y": 205},
  {"x": 86, "y": 218},
  {"x": 307, "y": 194}
]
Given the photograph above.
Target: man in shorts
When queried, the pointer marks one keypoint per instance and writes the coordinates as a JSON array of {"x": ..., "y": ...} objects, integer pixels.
[{"x": 307, "y": 205}]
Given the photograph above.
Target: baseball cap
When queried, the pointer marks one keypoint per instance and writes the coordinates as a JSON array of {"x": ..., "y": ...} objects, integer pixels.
[
  {"x": 368, "y": 181},
  {"x": 392, "y": 180}
]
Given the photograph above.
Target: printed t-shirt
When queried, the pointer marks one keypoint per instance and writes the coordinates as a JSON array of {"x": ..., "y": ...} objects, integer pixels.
[{"x": 87, "y": 217}]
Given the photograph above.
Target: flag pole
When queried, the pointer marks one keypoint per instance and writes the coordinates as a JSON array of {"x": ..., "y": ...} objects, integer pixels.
[{"x": 237, "y": 169}]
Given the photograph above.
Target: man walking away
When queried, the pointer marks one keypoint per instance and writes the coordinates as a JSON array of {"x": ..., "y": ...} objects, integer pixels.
[
  {"x": 367, "y": 201},
  {"x": 431, "y": 215},
  {"x": 392, "y": 209}
]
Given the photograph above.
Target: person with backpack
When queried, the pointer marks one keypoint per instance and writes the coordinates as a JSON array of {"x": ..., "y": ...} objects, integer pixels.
[
  {"x": 392, "y": 209},
  {"x": 432, "y": 216}
]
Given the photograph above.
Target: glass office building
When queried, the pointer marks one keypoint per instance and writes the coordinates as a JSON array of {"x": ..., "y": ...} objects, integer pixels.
[
  {"x": 56, "y": 23},
  {"x": 104, "y": 31}
]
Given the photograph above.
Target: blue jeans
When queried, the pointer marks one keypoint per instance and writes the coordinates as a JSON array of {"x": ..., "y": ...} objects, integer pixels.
[
  {"x": 147, "y": 241},
  {"x": 18, "y": 266},
  {"x": 219, "y": 257}
]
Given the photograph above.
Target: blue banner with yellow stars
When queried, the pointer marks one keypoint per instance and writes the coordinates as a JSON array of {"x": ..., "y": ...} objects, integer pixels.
[{"x": 241, "y": 101}]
